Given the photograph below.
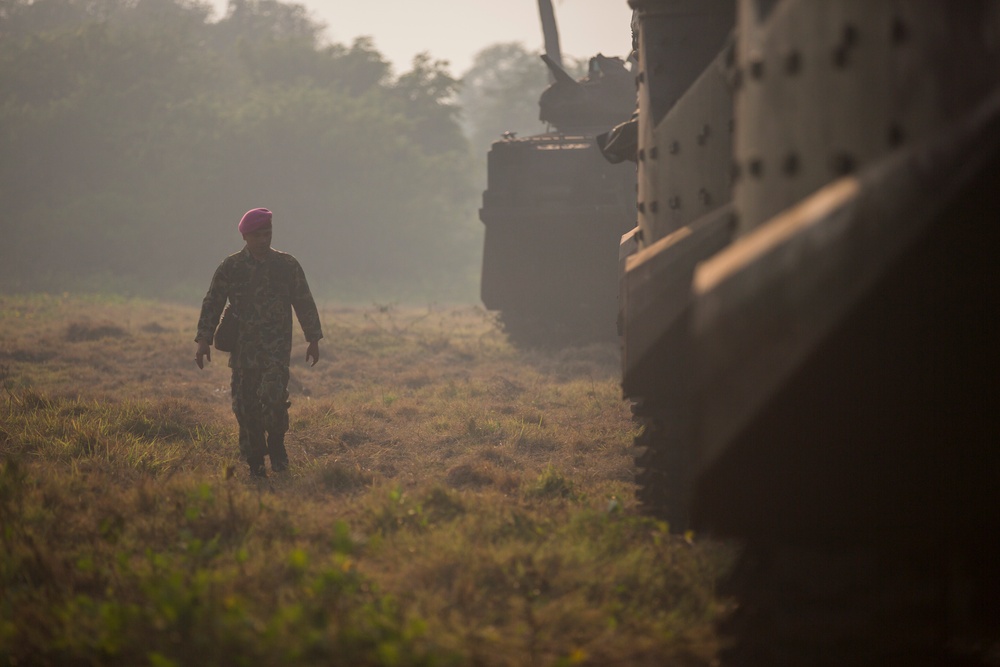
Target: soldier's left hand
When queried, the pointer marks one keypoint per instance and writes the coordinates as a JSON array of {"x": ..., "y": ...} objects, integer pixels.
[
  {"x": 204, "y": 353},
  {"x": 312, "y": 352}
]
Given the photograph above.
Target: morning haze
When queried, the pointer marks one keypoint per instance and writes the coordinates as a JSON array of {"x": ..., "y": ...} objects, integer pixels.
[{"x": 136, "y": 134}]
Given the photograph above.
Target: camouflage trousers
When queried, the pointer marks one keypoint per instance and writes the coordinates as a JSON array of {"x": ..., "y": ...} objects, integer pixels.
[{"x": 260, "y": 403}]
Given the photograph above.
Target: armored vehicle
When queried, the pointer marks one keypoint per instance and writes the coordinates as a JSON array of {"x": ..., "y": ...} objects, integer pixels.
[
  {"x": 554, "y": 210},
  {"x": 806, "y": 329}
]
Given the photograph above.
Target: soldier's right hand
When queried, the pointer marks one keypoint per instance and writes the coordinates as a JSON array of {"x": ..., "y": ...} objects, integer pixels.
[{"x": 204, "y": 352}]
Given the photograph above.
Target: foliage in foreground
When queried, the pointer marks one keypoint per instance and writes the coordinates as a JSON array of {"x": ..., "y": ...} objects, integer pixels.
[{"x": 453, "y": 501}]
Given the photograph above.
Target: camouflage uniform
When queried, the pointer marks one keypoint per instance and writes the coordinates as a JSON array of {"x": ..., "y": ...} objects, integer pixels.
[{"x": 263, "y": 294}]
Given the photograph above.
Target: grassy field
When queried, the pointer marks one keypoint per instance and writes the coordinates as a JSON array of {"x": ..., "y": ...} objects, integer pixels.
[{"x": 452, "y": 501}]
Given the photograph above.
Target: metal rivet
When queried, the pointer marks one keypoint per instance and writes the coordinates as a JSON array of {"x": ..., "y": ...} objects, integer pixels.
[
  {"x": 848, "y": 40},
  {"x": 654, "y": 207},
  {"x": 896, "y": 136},
  {"x": 642, "y": 154},
  {"x": 793, "y": 63},
  {"x": 850, "y": 35},
  {"x": 900, "y": 31},
  {"x": 757, "y": 69},
  {"x": 642, "y": 77},
  {"x": 675, "y": 148},
  {"x": 704, "y": 196},
  {"x": 791, "y": 164},
  {"x": 703, "y": 135},
  {"x": 641, "y": 206},
  {"x": 674, "y": 203},
  {"x": 756, "y": 168},
  {"x": 840, "y": 57},
  {"x": 654, "y": 152},
  {"x": 842, "y": 163}
]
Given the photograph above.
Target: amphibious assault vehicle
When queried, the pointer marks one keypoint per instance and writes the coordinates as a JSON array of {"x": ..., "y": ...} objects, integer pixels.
[
  {"x": 806, "y": 328},
  {"x": 554, "y": 209}
]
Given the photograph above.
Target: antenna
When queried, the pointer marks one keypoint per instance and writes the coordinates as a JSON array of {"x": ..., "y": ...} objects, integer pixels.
[{"x": 550, "y": 32}]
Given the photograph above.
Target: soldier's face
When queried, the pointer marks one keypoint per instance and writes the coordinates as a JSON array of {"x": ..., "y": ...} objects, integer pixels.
[{"x": 258, "y": 241}]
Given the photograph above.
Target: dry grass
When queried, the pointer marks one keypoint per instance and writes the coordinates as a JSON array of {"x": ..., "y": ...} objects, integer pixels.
[{"x": 452, "y": 500}]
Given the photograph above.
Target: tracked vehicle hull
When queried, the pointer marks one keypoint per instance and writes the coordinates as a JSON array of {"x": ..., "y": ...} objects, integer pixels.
[
  {"x": 807, "y": 322},
  {"x": 553, "y": 212},
  {"x": 554, "y": 209}
]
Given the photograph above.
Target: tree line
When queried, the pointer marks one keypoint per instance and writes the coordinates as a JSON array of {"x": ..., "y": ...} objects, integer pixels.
[{"x": 134, "y": 133}]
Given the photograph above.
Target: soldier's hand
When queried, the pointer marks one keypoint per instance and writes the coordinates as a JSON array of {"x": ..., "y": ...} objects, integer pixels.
[
  {"x": 312, "y": 352},
  {"x": 204, "y": 352}
]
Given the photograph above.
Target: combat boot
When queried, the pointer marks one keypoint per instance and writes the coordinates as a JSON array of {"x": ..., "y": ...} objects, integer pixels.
[
  {"x": 276, "y": 450},
  {"x": 257, "y": 468}
]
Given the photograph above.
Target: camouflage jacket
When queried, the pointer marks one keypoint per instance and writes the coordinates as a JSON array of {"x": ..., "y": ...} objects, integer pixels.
[{"x": 263, "y": 294}]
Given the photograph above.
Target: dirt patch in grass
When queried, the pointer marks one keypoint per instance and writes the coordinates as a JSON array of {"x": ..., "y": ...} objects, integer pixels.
[
  {"x": 78, "y": 332},
  {"x": 468, "y": 476}
]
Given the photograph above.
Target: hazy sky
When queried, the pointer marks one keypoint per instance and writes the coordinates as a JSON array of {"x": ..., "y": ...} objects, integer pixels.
[{"x": 455, "y": 30}]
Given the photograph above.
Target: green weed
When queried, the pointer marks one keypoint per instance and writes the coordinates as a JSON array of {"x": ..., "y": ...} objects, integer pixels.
[{"x": 551, "y": 484}]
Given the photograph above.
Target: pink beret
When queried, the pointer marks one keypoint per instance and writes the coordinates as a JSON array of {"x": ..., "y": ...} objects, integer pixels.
[{"x": 254, "y": 219}]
